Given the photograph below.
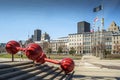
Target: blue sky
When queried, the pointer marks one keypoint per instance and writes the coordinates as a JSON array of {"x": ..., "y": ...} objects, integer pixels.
[{"x": 19, "y": 18}]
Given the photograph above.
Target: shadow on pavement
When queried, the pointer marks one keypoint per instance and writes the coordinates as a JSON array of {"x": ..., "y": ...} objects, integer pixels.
[{"x": 31, "y": 71}]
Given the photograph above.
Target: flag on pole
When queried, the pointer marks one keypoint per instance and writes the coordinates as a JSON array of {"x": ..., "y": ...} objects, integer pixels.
[
  {"x": 102, "y": 21},
  {"x": 98, "y": 8},
  {"x": 96, "y": 19},
  {"x": 92, "y": 30}
]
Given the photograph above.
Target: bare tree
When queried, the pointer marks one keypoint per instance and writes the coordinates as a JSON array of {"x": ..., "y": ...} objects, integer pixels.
[
  {"x": 94, "y": 50},
  {"x": 117, "y": 48},
  {"x": 60, "y": 50},
  {"x": 45, "y": 46},
  {"x": 101, "y": 49}
]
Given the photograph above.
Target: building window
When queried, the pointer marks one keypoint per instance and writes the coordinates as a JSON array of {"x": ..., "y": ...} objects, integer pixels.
[
  {"x": 117, "y": 42},
  {"x": 114, "y": 42}
]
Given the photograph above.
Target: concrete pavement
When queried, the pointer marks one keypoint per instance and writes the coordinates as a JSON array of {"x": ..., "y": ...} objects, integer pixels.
[
  {"x": 86, "y": 69},
  {"x": 91, "y": 68}
]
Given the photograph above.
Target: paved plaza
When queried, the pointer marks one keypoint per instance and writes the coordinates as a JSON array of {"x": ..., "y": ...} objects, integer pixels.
[{"x": 92, "y": 68}]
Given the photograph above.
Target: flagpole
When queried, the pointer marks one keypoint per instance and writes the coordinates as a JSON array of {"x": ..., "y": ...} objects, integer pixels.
[
  {"x": 102, "y": 32},
  {"x": 97, "y": 9}
]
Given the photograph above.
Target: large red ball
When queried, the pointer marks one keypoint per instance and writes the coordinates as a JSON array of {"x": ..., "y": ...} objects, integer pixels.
[
  {"x": 67, "y": 64},
  {"x": 11, "y": 47},
  {"x": 33, "y": 51}
]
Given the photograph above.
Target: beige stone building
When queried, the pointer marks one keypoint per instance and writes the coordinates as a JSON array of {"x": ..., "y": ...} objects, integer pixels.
[
  {"x": 60, "y": 42},
  {"x": 76, "y": 41},
  {"x": 116, "y": 42},
  {"x": 113, "y": 27},
  {"x": 115, "y": 37},
  {"x": 91, "y": 42},
  {"x": 87, "y": 42}
]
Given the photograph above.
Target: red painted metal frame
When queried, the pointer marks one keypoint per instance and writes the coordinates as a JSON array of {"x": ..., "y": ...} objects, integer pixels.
[{"x": 34, "y": 52}]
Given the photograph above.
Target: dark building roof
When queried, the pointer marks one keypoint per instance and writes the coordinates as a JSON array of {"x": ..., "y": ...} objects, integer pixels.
[{"x": 83, "y": 26}]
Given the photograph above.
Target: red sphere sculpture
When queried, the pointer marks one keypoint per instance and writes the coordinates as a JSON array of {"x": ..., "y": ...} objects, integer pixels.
[
  {"x": 67, "y": 65},
  {"x": 34, "y": 52},
  {"x": 12, "y": 47}
]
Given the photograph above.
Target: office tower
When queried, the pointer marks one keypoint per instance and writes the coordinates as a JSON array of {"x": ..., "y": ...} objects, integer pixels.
[
  {"x": 45, "y": 36},
  {"x": 83, "y": 27},
  {"x": 37, "y": 35}
]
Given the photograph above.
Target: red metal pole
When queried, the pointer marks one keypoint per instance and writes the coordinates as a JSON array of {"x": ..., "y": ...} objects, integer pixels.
[
  {"x": 52, "y": 61},
  {"x": 21, "y": 49}
]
